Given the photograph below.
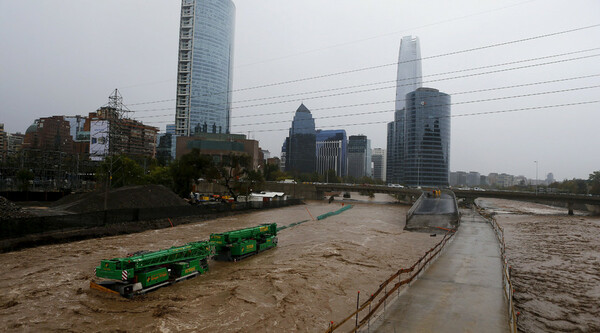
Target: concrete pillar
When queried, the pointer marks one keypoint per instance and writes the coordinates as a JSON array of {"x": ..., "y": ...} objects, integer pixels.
[{"x": 570, "y": 207}]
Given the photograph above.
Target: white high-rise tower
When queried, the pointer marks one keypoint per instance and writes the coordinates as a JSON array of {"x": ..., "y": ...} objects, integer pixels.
[
  {"x": 408, "y": 80},
  {"x": 409, "y": 69}
]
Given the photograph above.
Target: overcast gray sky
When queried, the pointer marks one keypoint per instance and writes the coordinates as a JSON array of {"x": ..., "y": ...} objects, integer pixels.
[{"x": 64, "y": 57}]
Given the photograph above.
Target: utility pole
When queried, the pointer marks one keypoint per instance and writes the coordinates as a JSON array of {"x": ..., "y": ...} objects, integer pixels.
[
  {"x": 114, "y": 113},
  {"x": 536, "y": 177}
]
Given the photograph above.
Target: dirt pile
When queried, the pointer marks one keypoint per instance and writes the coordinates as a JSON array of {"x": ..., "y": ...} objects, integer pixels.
[
  {"x": 143, "y": 196},
  {"x": 9, "y": 210}
]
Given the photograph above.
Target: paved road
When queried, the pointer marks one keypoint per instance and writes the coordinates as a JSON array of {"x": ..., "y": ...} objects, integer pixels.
[
  {"x": 460, "y": 292},
  {"x": 443, "y": 205}
]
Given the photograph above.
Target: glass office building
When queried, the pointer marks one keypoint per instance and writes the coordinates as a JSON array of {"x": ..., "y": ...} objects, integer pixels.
[
  {"x": 205, "y": 67},
  {"x": 378, "y": 159},
  {"x": 359, "y": 156},
  {"x": 427, "y": 138},
  {"x": 331, "y": 152}
]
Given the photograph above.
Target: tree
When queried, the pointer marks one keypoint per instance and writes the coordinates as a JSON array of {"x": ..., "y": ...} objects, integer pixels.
[
  {"x": 160, "y": 175},
  {"x": 24, "y": 176},
  {"x": 229, "y": 170},
  {"x": 255, "y": 180},
  {"x": 270, "y": 171},
  {"x": 594, "y": 182},
  {"x": 575, "y": 186},
  {"x": 332, "y": 177},
  {"x": 120, "y": 171},
  {"x": 187, "y": 169}
]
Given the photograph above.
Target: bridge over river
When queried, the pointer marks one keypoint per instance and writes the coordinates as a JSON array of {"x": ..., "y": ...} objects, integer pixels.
[{"x": 317, "y": 191}]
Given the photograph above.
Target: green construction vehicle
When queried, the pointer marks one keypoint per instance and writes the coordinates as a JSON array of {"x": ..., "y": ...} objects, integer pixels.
[
  {"x": 238, "y": 244},
  {"x": 145, "y": 271}
]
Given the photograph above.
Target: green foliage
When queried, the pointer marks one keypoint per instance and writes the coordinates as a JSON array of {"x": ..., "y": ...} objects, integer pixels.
[
  {"x": 271, "y": 172},
  {"x": 160, "y": 175},
  {"x": 229, "y": 170},
  {"x": 575, "y": 186},
  {"x": 350, "y": 180},
  {"x": 120, "y": 171},
  {"x": 280, "y": 176},
  {"x": 24, "y": 176},
  {"x": 187, "y": 169},
  {"x": 594, "y": 182},
  {"x": 331, "y": 177},
  {"x": 254, "y": 181}
]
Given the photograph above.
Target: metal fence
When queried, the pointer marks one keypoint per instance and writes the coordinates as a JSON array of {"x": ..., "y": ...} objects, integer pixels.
[
  {"x": 20, "y": 227},
  {"x": 387, "y": 289},
  {"x": 507, "y": 283}
]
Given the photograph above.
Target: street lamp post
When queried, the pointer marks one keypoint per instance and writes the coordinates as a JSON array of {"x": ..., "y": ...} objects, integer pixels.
[{"x": 536, "y": 177}]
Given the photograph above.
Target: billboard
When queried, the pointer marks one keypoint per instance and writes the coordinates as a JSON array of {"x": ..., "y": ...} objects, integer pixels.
[{"x": 99, "y": 139}]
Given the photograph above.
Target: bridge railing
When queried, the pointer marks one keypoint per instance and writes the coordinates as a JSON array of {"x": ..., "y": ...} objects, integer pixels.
[
  {"x": 450, "y": 193},
  {"x": 414, "y": 207},
  {"x": 379, "y": 299},
  {"x": 506, "y": 281}
]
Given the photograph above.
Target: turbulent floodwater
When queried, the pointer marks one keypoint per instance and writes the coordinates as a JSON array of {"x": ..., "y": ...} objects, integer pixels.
[
  {"x": 555, "y": 261},
  {"x": 310, "y": 279}
]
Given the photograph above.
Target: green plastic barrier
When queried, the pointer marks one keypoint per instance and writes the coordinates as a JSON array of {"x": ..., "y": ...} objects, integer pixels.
[
  {"x": 320, "y": 217},
  {"x": 341, "y": 210}
]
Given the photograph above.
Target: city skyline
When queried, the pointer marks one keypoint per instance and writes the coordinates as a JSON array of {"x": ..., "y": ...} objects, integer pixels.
[{"x": 65, "y": 57}]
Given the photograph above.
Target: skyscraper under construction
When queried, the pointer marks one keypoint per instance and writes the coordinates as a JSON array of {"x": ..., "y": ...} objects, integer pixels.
[{"x": 205, "y": 67}]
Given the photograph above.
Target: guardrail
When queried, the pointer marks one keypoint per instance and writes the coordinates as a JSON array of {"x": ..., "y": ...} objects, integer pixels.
[
  {"x": 452, "y": 194},
  {"x": 507, "y": 283},
  {"x": 414, "y": 207},
  {"x": 380, "y": 297}
]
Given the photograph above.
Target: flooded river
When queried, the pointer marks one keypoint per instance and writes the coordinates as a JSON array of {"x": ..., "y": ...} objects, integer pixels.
[
  {"x": 555, "y": 261},
  {"x": 310, "y": 279}
]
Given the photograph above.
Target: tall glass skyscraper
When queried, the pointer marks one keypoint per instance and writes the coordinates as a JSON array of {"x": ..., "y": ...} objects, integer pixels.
[
  {"x": 427, "y": 138},
  {"x": 205, "y": 67},
  {"x": 409, "y": 79}
]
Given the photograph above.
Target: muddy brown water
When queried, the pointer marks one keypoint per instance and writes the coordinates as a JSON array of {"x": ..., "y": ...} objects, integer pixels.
[
  {"x": 555, "y": 261},
  {"x": 311, "y": 278}
]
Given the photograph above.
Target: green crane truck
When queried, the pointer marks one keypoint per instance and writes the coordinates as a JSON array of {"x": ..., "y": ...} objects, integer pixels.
[
  {"x": 146, "y": 271},
  {"x": 238, "y": 244}
]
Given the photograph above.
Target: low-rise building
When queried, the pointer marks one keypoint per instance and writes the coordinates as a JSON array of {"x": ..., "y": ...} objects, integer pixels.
[
  {"x": 218, "y": 145},
  {"x": 111, "y": 133}
]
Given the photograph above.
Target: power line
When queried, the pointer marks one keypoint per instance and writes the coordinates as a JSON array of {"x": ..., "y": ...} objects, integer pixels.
[
  {"x": 449, "y": 104},
  {"x": 389, "y": 87},
  {"x": 390, "y": 101},
  {"x": 401, "y": 62},
  {"x": 414, "y": 60},
  {"x": 457, "y": 115},
  {"x": 419, "y": 77},
  {"x": 338, "y": 45},
  {"x": 153, "y": 102},
  {"x": 387, "y": 34}
]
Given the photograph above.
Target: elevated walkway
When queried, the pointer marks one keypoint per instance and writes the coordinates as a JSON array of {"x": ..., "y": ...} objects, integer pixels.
[
  {"x": 462, "y": 291},
  {"x": 429, "y": 214}
]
